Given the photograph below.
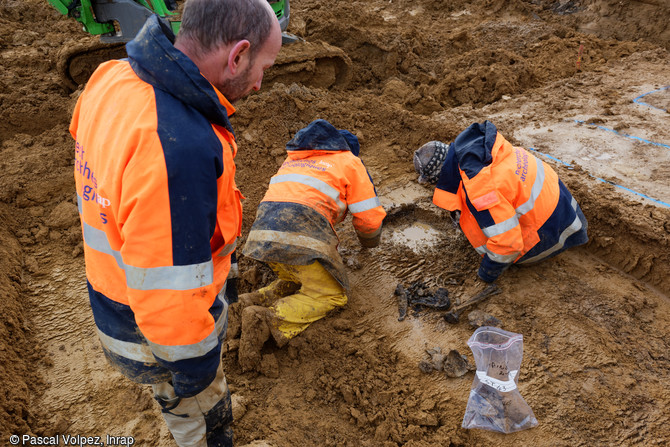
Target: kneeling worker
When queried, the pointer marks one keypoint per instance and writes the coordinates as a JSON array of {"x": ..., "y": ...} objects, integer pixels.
[
  {"x": 513, "y": 207},
  {"x": 320, "y": 181}
]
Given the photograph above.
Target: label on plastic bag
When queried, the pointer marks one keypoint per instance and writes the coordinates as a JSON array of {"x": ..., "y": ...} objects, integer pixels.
[{"x": 503, "y": 386}]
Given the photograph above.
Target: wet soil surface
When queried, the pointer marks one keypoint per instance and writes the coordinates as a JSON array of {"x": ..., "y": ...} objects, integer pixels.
[{"x": 584, "y": 83}]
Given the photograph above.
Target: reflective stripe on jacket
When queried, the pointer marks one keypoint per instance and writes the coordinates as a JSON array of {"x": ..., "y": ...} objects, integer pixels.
[
  {"x": 319, "y": 182},
  {"x": 160, "y": 211},
  {"x": 294, "y": 234},
  {"x": 510, "y": 201}
]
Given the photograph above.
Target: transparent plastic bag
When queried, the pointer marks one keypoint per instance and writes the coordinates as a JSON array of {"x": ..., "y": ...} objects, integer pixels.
[{"x": 495, "y": 402}]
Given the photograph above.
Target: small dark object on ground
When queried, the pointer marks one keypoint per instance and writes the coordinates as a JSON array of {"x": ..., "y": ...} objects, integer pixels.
[
  {"x": 418, "y": 295},
  {"x": 453, "y": 363},
  {"x": 479, "y": 318},
  {"x": 454, "y": 315},
  {"x": 439, "y": 300},
  {"x": 401, "y": 293},
  {"x": 433, "y": 360}
]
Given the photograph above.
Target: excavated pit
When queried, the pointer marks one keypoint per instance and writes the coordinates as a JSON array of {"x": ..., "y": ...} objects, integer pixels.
[{"x": 594, "y": 319}]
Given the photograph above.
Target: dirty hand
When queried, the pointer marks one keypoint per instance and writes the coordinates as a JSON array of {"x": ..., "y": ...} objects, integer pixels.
[
  {"x": 370, "y": 242},
  {"x": 484, "y": 278},
  {"x": 486, "y": 275}
]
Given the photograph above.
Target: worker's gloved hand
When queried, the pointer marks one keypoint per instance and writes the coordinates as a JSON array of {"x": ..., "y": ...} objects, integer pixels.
[
  {"x": 490, "y": 270},
  {"x": 486, "y": 276},
  {"x": 370, "y": 242}
]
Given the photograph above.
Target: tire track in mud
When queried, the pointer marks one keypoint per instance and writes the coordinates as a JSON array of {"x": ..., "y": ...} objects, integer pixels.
[
  {"x": 66, "y": 324},
  {"x": 68, "y": 311},
  {"x": 85, "y": 395}
]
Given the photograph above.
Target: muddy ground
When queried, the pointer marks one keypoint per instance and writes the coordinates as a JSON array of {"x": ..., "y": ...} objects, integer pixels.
[{"x": 585, "y": 83}]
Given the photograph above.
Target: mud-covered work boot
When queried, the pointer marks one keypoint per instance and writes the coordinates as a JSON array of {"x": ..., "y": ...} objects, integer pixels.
[
  {"x": 252, "y": 299},
  {"x": 235, "y": 311},
  {"x": 282, "y": 288},
  {"x": 255, "y": 332},
  {"x": 267, "y": 295},
  {"x": 234, "y": 320},
  {"x": 258, "y": 324}
]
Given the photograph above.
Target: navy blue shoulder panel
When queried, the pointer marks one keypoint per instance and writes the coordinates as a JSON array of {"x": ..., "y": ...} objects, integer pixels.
[
  {"x": 450, "y": 177},
  {"x": 194, "y": 161},
  {"x": 473, "y": 147},
  {"x": 157, "y": 62}
]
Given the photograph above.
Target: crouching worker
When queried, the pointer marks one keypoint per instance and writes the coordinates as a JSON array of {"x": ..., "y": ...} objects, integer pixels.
[
  {"x": 513, "y": 207},
  {"x": 321, "y": 180}
]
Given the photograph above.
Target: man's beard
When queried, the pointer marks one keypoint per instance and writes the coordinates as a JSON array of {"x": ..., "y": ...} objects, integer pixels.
[{"x": 236, "y": 89}]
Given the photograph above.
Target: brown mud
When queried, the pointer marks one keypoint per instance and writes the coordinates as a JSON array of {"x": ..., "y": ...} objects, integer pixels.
[{"x": 582, "y": 82}]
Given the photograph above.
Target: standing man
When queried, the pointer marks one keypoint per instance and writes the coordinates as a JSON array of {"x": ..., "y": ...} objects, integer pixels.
[
  {"x": 513, "y": 208},
  {"x": 160, "y": 211},
  {"x": 320, "y": 181}
]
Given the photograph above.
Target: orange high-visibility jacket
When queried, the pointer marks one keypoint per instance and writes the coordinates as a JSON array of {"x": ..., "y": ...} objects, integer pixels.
[
  {"x": 513, "y": 206},
  {"x": 321, "y": 180},
  {"x": 160, "y": 211}
]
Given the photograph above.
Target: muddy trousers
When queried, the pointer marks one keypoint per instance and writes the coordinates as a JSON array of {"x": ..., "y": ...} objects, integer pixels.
[
  {"x": 319, "y": 293},
  {"x": 199, "y": 421}
]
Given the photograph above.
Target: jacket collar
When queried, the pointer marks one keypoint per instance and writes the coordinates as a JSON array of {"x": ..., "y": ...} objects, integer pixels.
[
  {"x": 450, "y": 176},
  {"x": 473, "y": 147},
  {"x": 156, "y": 61},
  {"x": 322, "y": 136},
  {"x": 470, "y": 152}
]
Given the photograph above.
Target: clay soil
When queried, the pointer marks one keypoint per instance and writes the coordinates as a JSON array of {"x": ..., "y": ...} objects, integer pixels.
[{"x": 585, "y": 83}]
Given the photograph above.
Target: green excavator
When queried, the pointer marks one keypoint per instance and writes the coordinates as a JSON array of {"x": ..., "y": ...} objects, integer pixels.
[{"x": 316, "y": 64}]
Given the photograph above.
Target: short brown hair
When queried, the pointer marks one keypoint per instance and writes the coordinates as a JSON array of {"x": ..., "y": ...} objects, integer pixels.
[{"x": 213, "y": 23}]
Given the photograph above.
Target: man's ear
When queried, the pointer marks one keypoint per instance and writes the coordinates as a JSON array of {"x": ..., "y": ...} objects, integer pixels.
[{"x": 237, "y": 55}]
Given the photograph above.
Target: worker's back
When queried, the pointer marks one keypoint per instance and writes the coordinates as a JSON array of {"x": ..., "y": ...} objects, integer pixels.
[
  {"x": 513, "y": 206},
  {"x": 160, "y": 212},
  {"x": 321, "y": 180},
  {"x": 322, "y": 171}
]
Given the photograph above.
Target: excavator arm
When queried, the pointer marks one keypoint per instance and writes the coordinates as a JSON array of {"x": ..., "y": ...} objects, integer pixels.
[{"x": 116, "y": 20}]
